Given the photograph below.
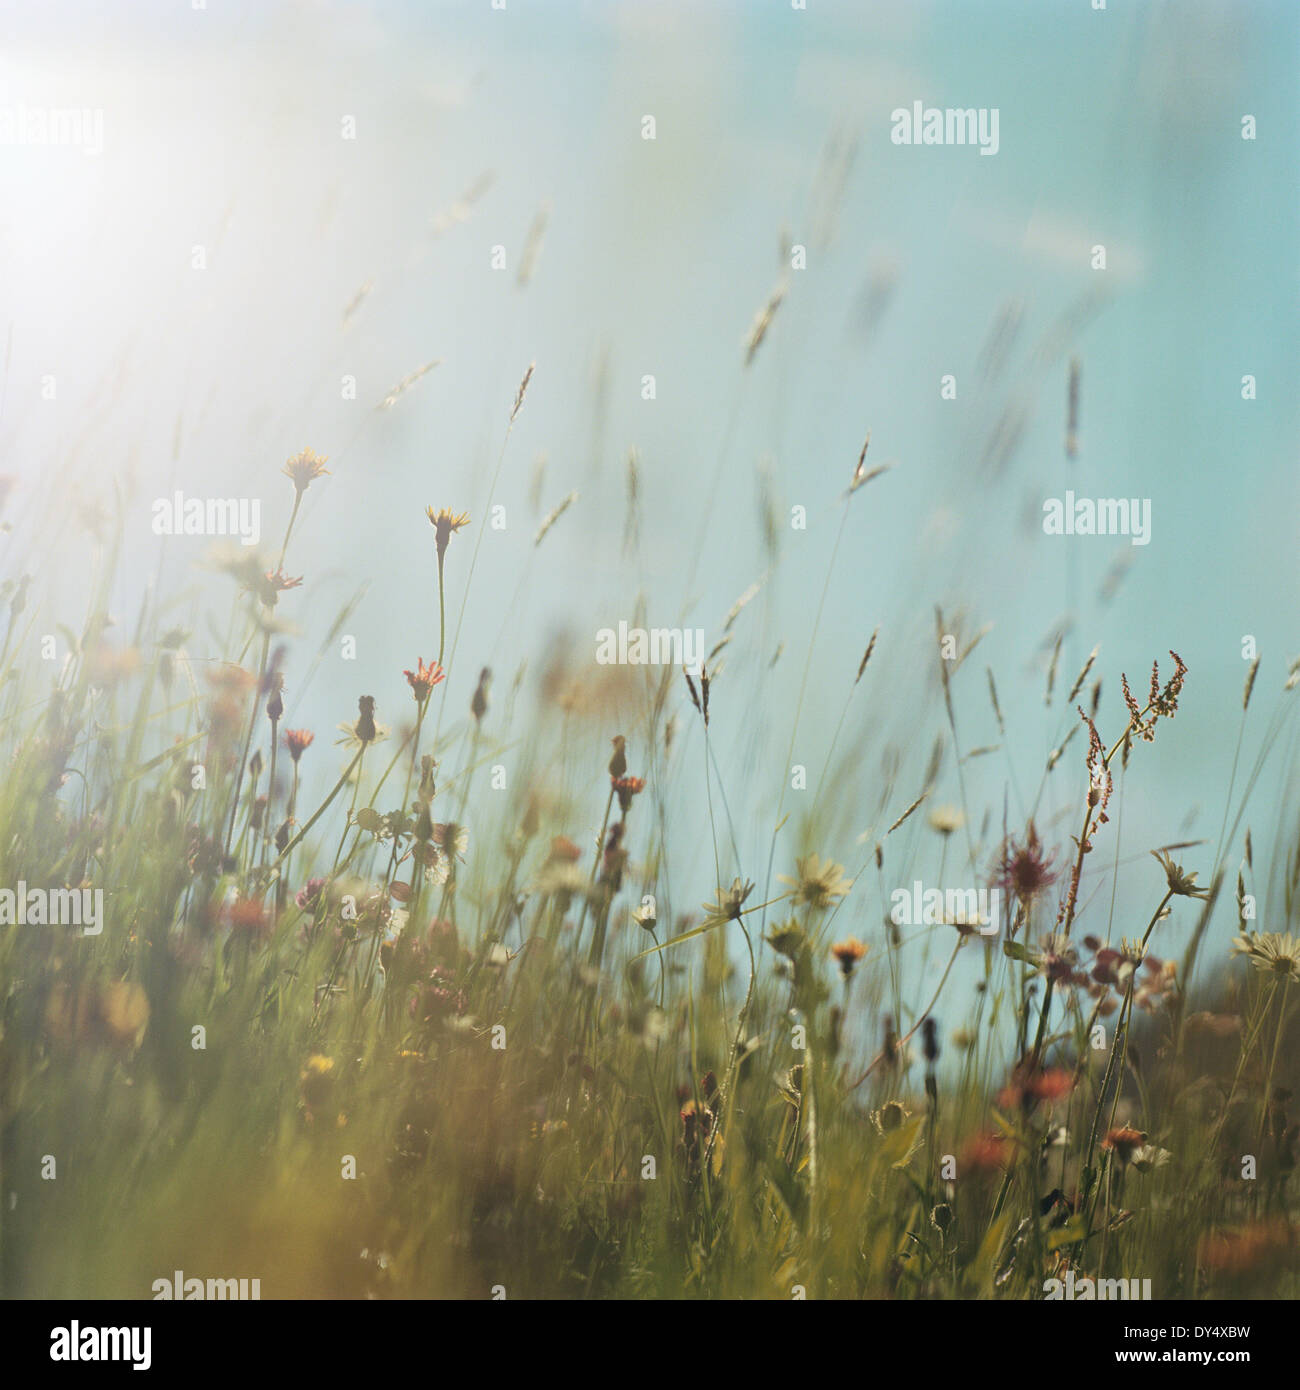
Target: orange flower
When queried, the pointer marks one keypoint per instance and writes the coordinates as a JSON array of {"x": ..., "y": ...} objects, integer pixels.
[
  {"x": 1051, "y": 1085},
  {"x": 248, "y": 916},
  {"x": 848, "y": 954},
  {"x": 1122, "y": 1142},
  {"x": 298, "y": 741},
  {"x": 273, "y": 584},
  {"x": 985, "y": 1153},
  {"x": 1250, "y": 1250},
  {"x": 424, "y": 678},
  {"x": 627, "y": 788},
  {"x": 618, "y": 761},
  {"x": 1026, "y": 1090}
]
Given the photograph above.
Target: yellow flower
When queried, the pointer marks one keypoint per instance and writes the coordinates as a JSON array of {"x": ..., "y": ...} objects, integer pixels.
[
  {"x": 820, "y": 882},
  {"x": 444, "y": 523},
  {"x": 303, "y": 469},
  {"x": 317, "y": 1080}
]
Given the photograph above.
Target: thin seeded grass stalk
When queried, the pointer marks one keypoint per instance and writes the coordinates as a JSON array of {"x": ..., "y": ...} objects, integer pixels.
[
  {"x": 1124, "y": 1025},
  {"x": 261, "y": 675},
  {"x": 321, "y": 809},
  {"x": 1267, "y": 1091},
  {"x": 403, "y": 386},
  {"x": 798, "y": 710},
  {"x": 762, "y": 322},
  {"x": 478, "y": 542},
  {"x": 1082, "y": 676},
  {"x": 553, "y": 516},
  {"x": 911, "y": 1032}
]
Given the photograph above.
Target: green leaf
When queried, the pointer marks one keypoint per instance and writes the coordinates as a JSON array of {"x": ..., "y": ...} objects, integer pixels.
[
  {"x": 1075, "y": 1229},
  {"x": 677, "y": 940}
]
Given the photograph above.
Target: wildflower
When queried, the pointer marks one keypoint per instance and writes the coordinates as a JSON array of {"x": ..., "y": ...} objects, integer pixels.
[
  {"x": 303, "y": 469},
  {"x": 787, "y": 940},
  {"x": 317, "y": 1081},
  {"x": 365, "y": 730},
  {"x": 1161, "y": 981},
  {"x": 444, "y": 523},
  {"x": 308, "y": 896},
  {"x": 645, "y": 916},
  {"x": 820, "y": 883},
  {"x": 272, "y": 584},
  {"x": 1024, "y": 870},
  {"x": 618, "y": 762},
  {"x": 626, "y": 788},
  {"x": 231, "y": 680},
  {"x": 452, "y": 839},
  {"x": 248, "y": 917},
  {"x": 1148, "y": 1156},
  {"x": 1181, "y": 884},
  {"x": 1051, "y": 1085},
  {"x": 1058, "y": 961},
  {"x": 275, "y": 705},
  {"x": 439, "y": 996},
  {"x": 478, "y": 704},
  {"x": 1111, "y": 967},
  {"x": 437, "y": 870},
  {"x": 984, "y": 1153},
  {"x": 1270, "y": 952},
  {"x": 613, "y": 859},
  {"x": 424, "y": 678},
  {"x": 848, "y": 954},
  {"x": 890, "y": 1116},
  {"x": 1029, "y": 1087},
  {"x": 425, "y": 791},
  {"x": 726, "y": 905},
  {"x": 1252, "y": 1249},
  {"x": 697, "y": 1122},
  {"x": 298, "y": 741},
  {"x": 946, "y": 819},
  {"x": 562, "y": 878},
  {"x": 966, "y": 923},
  {"x": 1124, "y": 1142},
  {"x": 564, "y": 849}
]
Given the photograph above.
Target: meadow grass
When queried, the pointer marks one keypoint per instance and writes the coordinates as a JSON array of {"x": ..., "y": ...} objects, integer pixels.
[{"x": 352, "y": 1050}]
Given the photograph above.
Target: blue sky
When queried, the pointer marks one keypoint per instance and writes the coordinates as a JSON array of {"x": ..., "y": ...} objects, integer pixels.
[{"x": 1120, "y": 127}]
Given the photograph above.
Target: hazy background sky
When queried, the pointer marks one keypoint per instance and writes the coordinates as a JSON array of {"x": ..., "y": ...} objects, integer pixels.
[{"x": 222, "y": 128}]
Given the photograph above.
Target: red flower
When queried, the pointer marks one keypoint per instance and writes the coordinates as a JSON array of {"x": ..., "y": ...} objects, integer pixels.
[
  {"x": 985, "y": 1153},
  {"x": 298, "y": 741},
  {"x": 424, "y": 678},
  {"x": 627, "y": 788},
  {"x": 1122, "y": 1142},
  {"x": 1024, "y": 870},
  {"x": 248, "y": 916}
]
